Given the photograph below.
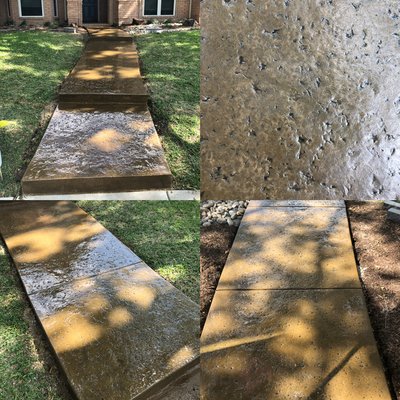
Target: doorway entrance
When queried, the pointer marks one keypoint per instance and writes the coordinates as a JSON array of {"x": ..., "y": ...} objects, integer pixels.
[{"x": 90, "y": 11}]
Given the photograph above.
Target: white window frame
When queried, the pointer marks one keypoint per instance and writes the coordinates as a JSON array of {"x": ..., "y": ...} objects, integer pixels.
[
  {"x": 29, "y": 16},
  {"x": 158, "y": 10}
]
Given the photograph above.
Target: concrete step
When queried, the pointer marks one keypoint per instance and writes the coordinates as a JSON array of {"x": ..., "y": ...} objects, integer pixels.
[
  {"x": 288, "y": 319},
  {"x": 97, "y": 152},
  {"x": 106, "y": 78},
  {"x": 107, "y": 33},
  {"x": 118, "y": 330}
]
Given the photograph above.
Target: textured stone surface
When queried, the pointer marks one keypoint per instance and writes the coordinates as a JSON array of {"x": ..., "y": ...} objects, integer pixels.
[
  {"x": 106, "y": 78},
  {"x": 285, "y": 345},
  {"x": 300, "y": 99},
  {"x": 288, "y": 319},
  {"x": 297, "y": 203},
  {"x": 97, "y": 152},
  {"x": 118, "y": 329},
  {"x": 120, "y": 333},
  {"x": 53, "y": 243},
  {"x": 291, "y": 247},
  {"x": 109, "y": 34}
]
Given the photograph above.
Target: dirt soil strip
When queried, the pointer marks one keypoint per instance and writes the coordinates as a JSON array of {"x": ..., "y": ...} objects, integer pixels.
[
  {"x": 376, "y": 241},
  {"x": 215, "y": 242}
]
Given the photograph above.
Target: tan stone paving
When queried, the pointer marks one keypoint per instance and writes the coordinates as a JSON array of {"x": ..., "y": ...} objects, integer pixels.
[
  {"x": 288, "y": 320},
  {"x": 118, "y": 329},
  {"x": 101, "y": 138},
  {"x": 291, "y": 247}
]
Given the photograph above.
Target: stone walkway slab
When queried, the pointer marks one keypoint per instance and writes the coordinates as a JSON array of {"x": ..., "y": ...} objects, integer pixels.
[
  {"x": 109, "y": 34},
  {"x": 97, "y": 152},
  {"x": 106, "y": 78},
  {"x": 55, "y": 243},
  {"x": 289, "y": 344},
  {"x": 297, "y": 203},
  {"x": 288, "y": 319},
  {"x": 119, "y": 334},
  {"x": 291, "y": 247},
  {"x": 118, "y": 329}
]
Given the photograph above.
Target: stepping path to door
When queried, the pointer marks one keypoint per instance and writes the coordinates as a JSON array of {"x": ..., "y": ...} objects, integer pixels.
[
  {"x": 288, "y": 319},
  {"x": 101, "y": 138},
  {"x": 118, "y": 329}
]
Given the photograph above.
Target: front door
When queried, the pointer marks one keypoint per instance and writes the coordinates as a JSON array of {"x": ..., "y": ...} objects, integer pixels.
[{"x": 90, "y": 11}]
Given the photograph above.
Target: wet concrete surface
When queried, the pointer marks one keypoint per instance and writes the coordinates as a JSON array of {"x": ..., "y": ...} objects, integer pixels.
[
  {"x": 119, "y": 334},
  {"x": 291, "y": 247},
  {"x": 118, "y": 330},
  {"x": 97, "y": 152},
  {"x": 106, "y": 78},
  {"x": 285, "y": 345},
  {"x": 300, "y": 100},
  {"x": 288, "y": 319},
  {"x": 54, "y": 243},
  {"x": 109, "y": 34}
]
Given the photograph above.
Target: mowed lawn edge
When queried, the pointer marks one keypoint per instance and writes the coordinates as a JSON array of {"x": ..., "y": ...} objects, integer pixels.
[
  {"x": 170, "y": 64},
  {"x": 32, "y": 66}
]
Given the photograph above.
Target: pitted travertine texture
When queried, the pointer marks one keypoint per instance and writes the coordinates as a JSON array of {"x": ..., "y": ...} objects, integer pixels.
[
  {"x": 82, "y": 152},
  {"x": 300, "y": 99},
  {"x": 290, "y": 345},
  {"x": 291, "y": 247},
  {"x": 288, "y": 319},
  {"x": 118, "y": 329}
]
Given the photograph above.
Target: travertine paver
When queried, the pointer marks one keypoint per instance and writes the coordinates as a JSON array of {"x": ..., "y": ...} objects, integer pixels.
[
  {"x": 101, "y": 138},
  {"x": 83, "y": 152},
  {"x": 119, "y": 330},
  {"x": 53, "y": 243},
  {"x": 300, "y": 99},
  {"x": 120, "y": 333},
  {"x": 297, "y": 203},
  {"x": 291, "y": 247},
  {"x": 288, "y": 319},
  {"x": 289, "y": 344},
  {"x": 106, "y": 78}
]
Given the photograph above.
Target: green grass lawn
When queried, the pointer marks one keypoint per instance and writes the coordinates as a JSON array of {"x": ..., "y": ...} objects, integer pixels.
[
  {"x": 164, "y": 234},
  {"x": 171, "y": 64},
  {"x": 22, "y": 374},
  {"x": 32, "y": 65}
]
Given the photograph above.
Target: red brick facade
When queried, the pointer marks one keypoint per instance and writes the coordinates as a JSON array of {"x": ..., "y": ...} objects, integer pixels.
[{"x": 114, "y": 11}]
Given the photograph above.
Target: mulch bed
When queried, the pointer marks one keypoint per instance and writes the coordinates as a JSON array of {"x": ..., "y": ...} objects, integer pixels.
[
  {"x": 377, "y": 240},
  {"x": 215, "y": 243}
]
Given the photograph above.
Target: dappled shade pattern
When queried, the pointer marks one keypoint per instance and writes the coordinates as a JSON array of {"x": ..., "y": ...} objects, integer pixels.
[
  {"x": 106, "y": 77},
  {"x": 84, "y": 152},
  {"x": 118, "y": 329},
  {"x": 300, "y": 247},
  {"x": 288, "y": 319}
]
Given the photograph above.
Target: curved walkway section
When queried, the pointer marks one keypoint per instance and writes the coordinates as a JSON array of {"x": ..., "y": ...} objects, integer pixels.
[
  {"x": 118, "y": 329},
  {"x": 288, "y": 319},
  {"x": 101, "y": 138}
]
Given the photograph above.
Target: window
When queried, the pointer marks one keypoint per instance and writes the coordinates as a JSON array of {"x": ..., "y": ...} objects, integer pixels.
[
  {"x": 159, "y": 7},
  {"x": 8, "y": 9},
  {"x": 31, "y": 8},
  {"x": 55, "y": 8}
]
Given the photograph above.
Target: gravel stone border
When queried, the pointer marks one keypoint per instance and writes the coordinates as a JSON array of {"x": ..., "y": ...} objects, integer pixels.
[{"x": 222, "y": 212}]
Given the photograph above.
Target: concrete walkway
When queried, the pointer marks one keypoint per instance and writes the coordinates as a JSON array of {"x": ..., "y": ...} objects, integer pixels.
[
  {"x": 118, "y": 329},
  {"x": 288, "y": 320},
  {"x": 101, "y": 138}
]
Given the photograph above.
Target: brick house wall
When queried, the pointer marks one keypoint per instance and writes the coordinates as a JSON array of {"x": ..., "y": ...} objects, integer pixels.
[
  {"x": 196, "y": 10},
  {"x": 48, "y": 13},
  {"x": 3, "y": 12},
  {"x": 113, "y": 11}
]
